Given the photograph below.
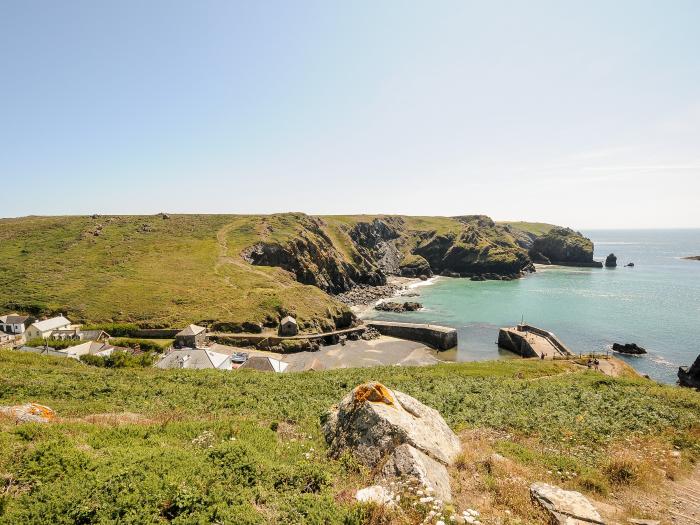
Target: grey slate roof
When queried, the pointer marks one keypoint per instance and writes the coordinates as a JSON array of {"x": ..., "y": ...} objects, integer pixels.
[
  {"x": 288, "y": 319},
  {"x": 14, "y": 319},
  {"x": 192, "y": 329}
]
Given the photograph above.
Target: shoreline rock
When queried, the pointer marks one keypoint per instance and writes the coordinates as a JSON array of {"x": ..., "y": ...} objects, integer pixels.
[
  {"x": 692, "y": 258},
  {"x": 689, "y": 376},
  {"x": 391, "y": 306},
  {"x": 611, "y": 261},
  {"x": 628, "y": 348}
]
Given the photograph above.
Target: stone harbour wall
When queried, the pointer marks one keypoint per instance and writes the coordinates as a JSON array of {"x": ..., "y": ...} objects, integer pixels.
[{"x": 439, "y": 337}]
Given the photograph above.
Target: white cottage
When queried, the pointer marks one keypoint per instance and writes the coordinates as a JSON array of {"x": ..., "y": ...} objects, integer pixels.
[
  {"x": 14, "y": 323},
  {"x": 43, "y": 329}
]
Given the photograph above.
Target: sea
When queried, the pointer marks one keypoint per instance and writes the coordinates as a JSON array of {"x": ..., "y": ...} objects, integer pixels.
[{"x": 655, "y": 304}]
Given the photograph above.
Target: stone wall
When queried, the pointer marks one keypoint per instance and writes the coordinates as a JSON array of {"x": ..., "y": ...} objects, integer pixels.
[
  {"x": 515, "y": 342},
  {"x": 440, "y": 337},
  {"x": 156, "y": 333}
]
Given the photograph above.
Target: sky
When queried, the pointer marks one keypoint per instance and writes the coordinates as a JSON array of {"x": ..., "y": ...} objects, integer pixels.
[{"x": 585, "y": 114}]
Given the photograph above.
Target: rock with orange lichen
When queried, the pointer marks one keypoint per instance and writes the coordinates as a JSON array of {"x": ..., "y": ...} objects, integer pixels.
[
  {"x": 29, "y": 413},
  {"x": 395, "y": 433}
]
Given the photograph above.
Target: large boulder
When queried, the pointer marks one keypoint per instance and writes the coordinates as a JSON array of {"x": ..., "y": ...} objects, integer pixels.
[
  {"x": 628, "y": 348},
  {"x": 28, "y": 413},
  {"x": 611, "y": 261},
  {"x": 565, "y": 507},
  {"x": 392, "y": 430},
  {"x": 690, "y": 375}
]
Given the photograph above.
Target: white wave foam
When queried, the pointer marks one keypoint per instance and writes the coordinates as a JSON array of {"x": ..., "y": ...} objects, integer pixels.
[{"x": 427, "y": 282}]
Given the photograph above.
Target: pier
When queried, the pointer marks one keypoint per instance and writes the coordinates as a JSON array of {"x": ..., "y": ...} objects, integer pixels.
[{"x": 530, "y": 341}]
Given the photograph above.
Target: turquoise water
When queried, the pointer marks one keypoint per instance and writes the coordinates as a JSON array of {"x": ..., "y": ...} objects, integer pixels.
[{"x": 656, "y": 304}]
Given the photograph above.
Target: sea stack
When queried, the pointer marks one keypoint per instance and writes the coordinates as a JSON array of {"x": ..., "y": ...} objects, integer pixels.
[{"x": 611, "y": 261}]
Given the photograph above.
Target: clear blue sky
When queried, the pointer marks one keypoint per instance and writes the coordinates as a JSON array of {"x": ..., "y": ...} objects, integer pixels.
[{"x": 579, "y": 113}]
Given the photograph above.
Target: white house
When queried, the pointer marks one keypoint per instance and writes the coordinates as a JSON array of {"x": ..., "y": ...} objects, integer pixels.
[
  {"x": 14, "y": 324},
  {"x": 43, "y": 329},
  {"x": 195, "y": 358}
]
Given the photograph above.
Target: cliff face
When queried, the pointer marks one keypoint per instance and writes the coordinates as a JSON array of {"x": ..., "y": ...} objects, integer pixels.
[
  {"x": 481, "y": 247},
  {"x": 337, "y": 257},
  {"x": 563, "y": 245},
  {"x": 312, "y": 257}
]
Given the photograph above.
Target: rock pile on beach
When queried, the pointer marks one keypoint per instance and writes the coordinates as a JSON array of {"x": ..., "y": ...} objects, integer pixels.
[
  {"x": 370, "y": 333},
  {"x": 391, "y": 306},
  {"x": 363, "y": 294}
]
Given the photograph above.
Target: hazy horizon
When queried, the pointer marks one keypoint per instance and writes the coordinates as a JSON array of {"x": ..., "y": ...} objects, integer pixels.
[{"x": 582, "y": 115}]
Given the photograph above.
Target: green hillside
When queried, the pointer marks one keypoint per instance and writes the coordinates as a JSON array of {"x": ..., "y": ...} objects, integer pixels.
[
  {"x": 204, "y": 446},
  {"x": 163, "y": 271}
]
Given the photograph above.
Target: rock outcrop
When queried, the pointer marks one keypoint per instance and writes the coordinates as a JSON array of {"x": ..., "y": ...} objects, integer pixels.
[
  {"x": 481, "y": 248},
  {"x": 690, "y": 375},
  {"x": 611, "y": 261},
  {"x": 395, "y": 432},
  {"x": 29, "y": 413},
  {"x": 565, "y": 507},
  {"x": 313, "y": 258},
  {"x": 628, "y": 348},
  {"x": 692, "y": 258},
  {"x": 391, "y": 306},
  {"x": 565, "y": 246}
]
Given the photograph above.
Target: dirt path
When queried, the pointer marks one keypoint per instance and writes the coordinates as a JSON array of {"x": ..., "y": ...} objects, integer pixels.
[
  {"x": 224, "y": 258},
  {"x": 674, "y": 502}
]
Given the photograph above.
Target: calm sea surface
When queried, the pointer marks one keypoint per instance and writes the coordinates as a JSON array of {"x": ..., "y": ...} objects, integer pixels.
[{"x": 656, "y": 304}]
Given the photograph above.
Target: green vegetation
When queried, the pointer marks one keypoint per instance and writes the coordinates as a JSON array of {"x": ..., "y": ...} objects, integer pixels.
[
  {"x": 120, "y": 359},
  {"x": 56, "y": 344},
  {"x": 145, "y": 345},
  {"x": 199, "y": 446},
  {"x": 149, "y": 271},
  {"x": 535, "y": 228}
]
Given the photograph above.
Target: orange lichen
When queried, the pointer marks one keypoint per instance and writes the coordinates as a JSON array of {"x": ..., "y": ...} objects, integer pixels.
[
  {"x": 373, "y": 392},
  {"x": 36, "y": 409}
]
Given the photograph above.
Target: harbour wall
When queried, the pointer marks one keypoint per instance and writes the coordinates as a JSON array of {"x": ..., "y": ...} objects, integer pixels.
[{"x": 440, "y": 337}]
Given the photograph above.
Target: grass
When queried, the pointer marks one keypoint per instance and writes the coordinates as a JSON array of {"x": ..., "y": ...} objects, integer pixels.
[
  {"x": 149, "y": 271},
  {"x": 187, "y": 446},
  {"x": 536, "y": 228}
]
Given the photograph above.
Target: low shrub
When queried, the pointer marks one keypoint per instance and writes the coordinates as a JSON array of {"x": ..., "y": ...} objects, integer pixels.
[
  {"x": 119, "y": 359},
  {"x": 145, "y": 345},
  {"x": 56, "y": 344}
]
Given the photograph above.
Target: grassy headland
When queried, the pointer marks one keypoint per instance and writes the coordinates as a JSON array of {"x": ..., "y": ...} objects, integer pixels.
[{"x": 165, "y": 271}]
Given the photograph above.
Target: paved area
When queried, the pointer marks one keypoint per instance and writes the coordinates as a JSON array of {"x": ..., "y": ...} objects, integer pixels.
[{"x": 354, "y": 354}]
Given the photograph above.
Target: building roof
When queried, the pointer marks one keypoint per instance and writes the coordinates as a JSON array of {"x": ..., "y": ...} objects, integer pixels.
[
  {"x": 93, "y": 335},
  {"x": 288, "y": 319},
  {"x": 51, "y": 324},
  {"x": 88, "y": 347},
  {"x": 264, "y": 363},
  {"x": 194, "y": 358},
  {"x": 41, "y": 350},
  {"x": 192, "y": 329},
  {"x": 13, "y": 319}
]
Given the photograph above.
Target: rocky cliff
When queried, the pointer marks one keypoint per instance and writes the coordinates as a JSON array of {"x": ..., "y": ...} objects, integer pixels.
[
  {"x": 563, "y": 246},
  {"x": 313, "y": 258},
  {"x": 337, "y": 254}
]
